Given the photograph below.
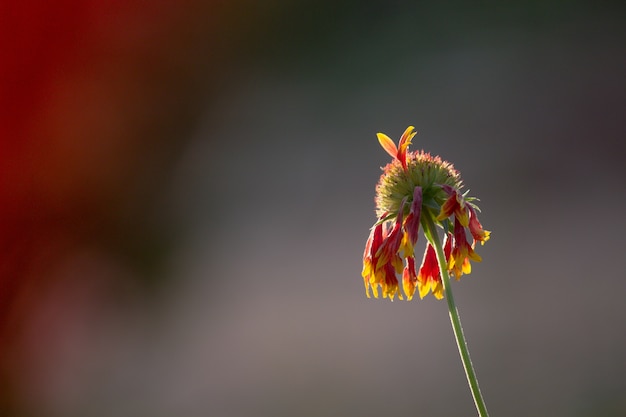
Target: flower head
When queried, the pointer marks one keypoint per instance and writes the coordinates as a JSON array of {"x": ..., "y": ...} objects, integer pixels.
[{"x": 414, "y": 185}]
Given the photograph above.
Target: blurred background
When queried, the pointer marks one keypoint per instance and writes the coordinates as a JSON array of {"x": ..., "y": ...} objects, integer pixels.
[{"x": 186, "y": 188}]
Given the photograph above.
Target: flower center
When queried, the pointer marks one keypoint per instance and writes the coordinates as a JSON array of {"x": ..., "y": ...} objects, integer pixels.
[{"x": 423, "y": 170}]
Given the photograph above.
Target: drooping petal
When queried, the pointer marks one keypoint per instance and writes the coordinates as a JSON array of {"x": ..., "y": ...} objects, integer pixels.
[
  {"x": 429, "y": 277},
  {"x": 376, "y": 278},
  {"x": 436, "y": 288},
  {"x": 467, "y": 266},
  {"x": 366, "y": 281},
  {"x": 409, "y": 278},
  {"x": 368, "y": 267},
  {"x": 391, "y": 243},
  {"x": 372, "y": 246},
  {"x": 447, "y": 209},
  {"x": 455, "y": 204},
  {"x": 388, "y": 145},
  {"x": 383, "y": 261},
  {"x": 412, "y": 221},
  {"x": 368, "y": 245},
  {"x": 373, "y": 283},
  {"x": 390, "y": 283},
  {"x": 406, "y": 248},
  {"x": 476, "y": 229},
  {"x": 462, "y": 252}
]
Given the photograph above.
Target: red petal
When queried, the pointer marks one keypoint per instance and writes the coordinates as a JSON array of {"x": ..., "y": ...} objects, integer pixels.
[
  {"x": 404, "y": 143},
  {"x": 412, "y": 221}
]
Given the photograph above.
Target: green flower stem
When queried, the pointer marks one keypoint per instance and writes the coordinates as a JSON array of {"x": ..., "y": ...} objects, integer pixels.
[{"x": 433, "y": 237}]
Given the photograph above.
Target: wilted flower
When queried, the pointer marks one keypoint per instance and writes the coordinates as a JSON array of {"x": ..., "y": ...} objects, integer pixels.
[{"x": 414, "y": 185}]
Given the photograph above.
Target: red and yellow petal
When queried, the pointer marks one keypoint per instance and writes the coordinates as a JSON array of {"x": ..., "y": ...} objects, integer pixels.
[
  {"x": 391, "y": 243},
  {"x": 476, "y": 229},
  {"x": 404, "y": 143},
  {"x": 454, "y": 205},
  {"x": 462, "y": 252},
  {"x": 397, "y": 152},
  {"x": 409, "y": 278},
  {"x": 388, "y": 145},
  {"x": 390, "y": 283},
  {"x": 370, "y": 257},
  {"x": 429, "y": 277},
  {"x": 412, "y": 221}
]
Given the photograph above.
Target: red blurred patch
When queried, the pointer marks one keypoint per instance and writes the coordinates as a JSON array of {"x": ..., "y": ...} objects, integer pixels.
[{"x": 80, "y": 84}]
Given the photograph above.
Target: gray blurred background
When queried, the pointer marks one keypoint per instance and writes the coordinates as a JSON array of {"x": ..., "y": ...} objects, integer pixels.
[{"x": 185, "y": 208}]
